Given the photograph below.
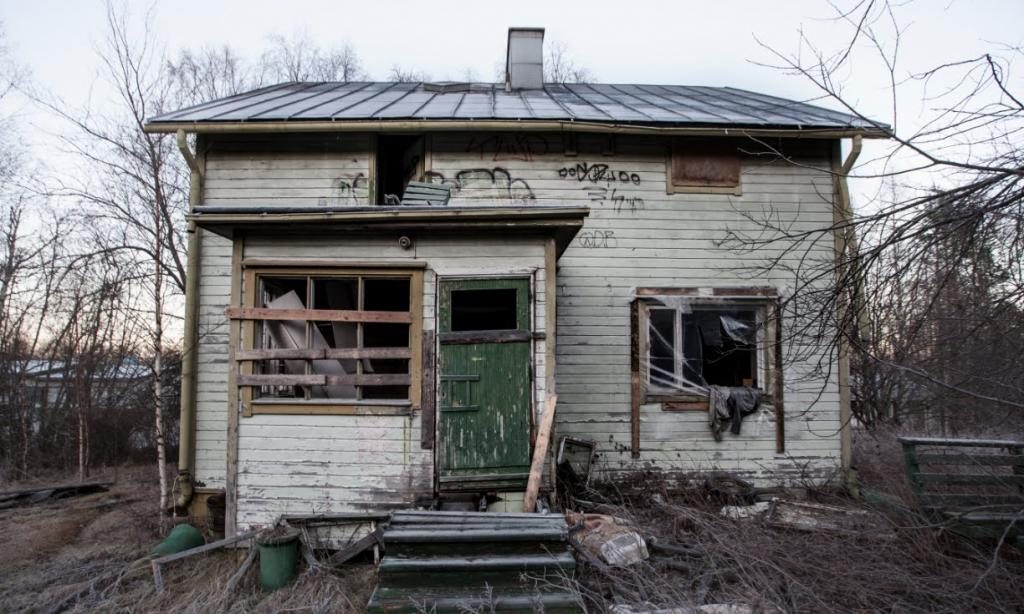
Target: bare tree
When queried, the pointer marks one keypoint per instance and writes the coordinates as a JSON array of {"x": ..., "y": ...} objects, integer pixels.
[
  {"x": 298, "y": 58},
  {"x": 929, "y": 290},
  {"x": 403, "y": 75},
  {"x": 559, "y": 67}
]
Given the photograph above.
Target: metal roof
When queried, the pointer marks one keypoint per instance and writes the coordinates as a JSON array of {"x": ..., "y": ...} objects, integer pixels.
[{"x": 601, "y": 103}]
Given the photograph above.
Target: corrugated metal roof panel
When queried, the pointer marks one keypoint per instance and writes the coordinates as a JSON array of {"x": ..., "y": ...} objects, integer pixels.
[{"x": 675, "y": 105}]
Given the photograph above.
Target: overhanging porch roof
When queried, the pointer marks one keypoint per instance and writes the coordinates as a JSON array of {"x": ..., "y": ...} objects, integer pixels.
[{"x": 561, "y": 223}]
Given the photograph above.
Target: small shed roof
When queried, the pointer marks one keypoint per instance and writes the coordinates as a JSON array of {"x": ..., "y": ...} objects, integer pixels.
[{"x": 619, "y": 104}]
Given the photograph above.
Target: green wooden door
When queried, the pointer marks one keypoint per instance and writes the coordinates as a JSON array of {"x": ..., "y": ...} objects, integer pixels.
[{"x": 484, "y": 400}]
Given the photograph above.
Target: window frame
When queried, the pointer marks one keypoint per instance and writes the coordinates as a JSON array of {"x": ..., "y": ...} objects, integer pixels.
[
  {"x": 765, "y": 307},
  {"x": 249, "y": 336}
]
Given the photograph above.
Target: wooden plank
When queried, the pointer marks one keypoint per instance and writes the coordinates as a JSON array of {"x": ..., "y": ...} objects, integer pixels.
[
  {"x": 968, "y": 460},
  {"x": 282, "y": 380},
  {"x": 970, "y": 479},
  {"x": 961, "y": 443},
  {"x": 318, "y": 315},
  {"x": 355, "y": 267},
  {"x": 484, "y": 336},
  {"x": 227, "y": 541},
  {"x": 323, "y": 353},
  {"x": 428, "y": 402},
  {"x": 387, "y": 379},
  {"x": 350, "y": 551},
  {"x": 684, "y": 406},
  {"x": 235, "y": 395},
  {"x": 540, "y": 451}
]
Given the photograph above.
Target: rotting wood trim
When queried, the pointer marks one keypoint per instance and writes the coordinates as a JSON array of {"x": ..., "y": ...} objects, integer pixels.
[
  {"x": 323, "y": 353},
  {"x": 235, "y": 394},
  {"x": 635, "y": 383},
  {"x": 483, "y": 336},
  {"x": 318, "y": 315},
  {"x": 778, "y": 403},
  {"x": 306, "y": 408},
  {"x": 388, "y": 379},
  {"x": 685, "y": 406},
  {"x": 428, "y": 403},
  {"x": 711, "y": 292},
  {"x": 356, "y": 266}
]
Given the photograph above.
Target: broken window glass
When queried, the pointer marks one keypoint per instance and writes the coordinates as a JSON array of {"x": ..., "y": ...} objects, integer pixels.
[
  {"x": 691, "y": 348},
  {"x": 334, "y": 348}
]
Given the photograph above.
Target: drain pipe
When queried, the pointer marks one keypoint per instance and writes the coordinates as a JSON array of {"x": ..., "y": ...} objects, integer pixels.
[
  {"x": 846, "y": 247},
  {"x": 186, "y": 447}
]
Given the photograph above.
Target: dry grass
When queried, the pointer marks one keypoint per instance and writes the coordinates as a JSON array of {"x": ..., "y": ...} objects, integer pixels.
[
  {"x": 904, "y": 564},
  {"x": 83, "y": 555}
]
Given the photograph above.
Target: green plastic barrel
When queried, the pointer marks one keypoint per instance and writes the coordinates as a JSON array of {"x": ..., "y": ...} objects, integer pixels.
[
  {"x": 181, "y": 538},
  {"x": 279, "y": 555}
]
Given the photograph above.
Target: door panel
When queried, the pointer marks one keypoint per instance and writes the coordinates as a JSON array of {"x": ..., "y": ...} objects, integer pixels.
[{"x": 484, "y": 400}]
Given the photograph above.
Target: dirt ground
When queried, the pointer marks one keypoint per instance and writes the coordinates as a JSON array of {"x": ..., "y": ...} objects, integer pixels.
[
  {"x": 87, "y": 554},
  {"x": 83, "y": 554}
]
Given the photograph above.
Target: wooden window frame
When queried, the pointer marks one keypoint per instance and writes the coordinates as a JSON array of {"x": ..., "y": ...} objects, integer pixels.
[
  {"x": 761, "y": 300},
  {"x": 244, "y": 361},
  {"x": 689, "y": 146}
]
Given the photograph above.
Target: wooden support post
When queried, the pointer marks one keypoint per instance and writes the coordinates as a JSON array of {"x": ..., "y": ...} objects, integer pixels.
[
  {"x": 636, "y": 387},
  {"x": 540, "y": 451}
]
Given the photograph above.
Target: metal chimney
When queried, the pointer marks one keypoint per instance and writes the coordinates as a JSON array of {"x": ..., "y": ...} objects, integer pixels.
[{"x": 524, "y": 62}]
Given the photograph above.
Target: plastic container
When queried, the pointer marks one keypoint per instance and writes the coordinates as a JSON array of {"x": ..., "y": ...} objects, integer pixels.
[
  {"x": 181, "y": 538},
  {"x": 279, "y": 555}
]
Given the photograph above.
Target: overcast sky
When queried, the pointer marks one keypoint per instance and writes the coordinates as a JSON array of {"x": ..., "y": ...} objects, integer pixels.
[{"x": 682, "y": 42}]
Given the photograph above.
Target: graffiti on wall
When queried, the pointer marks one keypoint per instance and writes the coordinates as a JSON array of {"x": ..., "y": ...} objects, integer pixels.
[
  {"x": 610, "y": 197},
  {"x": 351, "y": 190},
  {"x": 598, "y": 173},
  {"x": 596, "y": 239},
  {"x": 485, "y": 184}
]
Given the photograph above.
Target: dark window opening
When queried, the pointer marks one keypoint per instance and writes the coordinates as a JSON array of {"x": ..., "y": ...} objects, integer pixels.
[
  {"x": 705, "y": 347},
  {"x": 398, "y": 162},
  {"x": 493, "y": 309},
  {"x": 294, "y": 336}
]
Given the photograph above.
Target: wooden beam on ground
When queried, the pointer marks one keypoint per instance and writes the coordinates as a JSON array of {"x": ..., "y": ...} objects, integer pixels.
[
  {"x": 540, "y": 451},
  {"x": 350, "y": 551},
  {"x": 177, "y": 556}
]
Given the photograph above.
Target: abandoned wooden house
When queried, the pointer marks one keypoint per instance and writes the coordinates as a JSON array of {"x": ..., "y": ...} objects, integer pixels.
[{"x": 386, "y": 281}]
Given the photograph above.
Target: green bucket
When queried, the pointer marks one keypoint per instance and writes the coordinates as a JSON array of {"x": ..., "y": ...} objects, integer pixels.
[
  {"x": 182, "y": 537},
  {"x": 279, "y": 555}
]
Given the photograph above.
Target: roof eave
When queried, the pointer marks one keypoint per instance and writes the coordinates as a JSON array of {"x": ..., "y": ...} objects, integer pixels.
[{"x": 517, "y": 125}]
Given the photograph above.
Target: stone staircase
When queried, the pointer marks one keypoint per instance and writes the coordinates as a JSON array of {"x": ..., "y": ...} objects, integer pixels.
[{"x": 470, "y": 561}]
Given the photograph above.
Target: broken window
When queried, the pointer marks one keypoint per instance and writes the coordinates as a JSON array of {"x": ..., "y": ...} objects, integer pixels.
[
  {"x": 333, "y": 337},
  {"x": 704, "y": 165},
  {"x": 689, "y": 345},
  {"x": 399, "y": 161}
]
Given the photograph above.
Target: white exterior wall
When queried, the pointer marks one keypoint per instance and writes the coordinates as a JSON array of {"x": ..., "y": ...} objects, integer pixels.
[
  {"x": 636, "y": 235},
  {"x": 309, "y": 464}
]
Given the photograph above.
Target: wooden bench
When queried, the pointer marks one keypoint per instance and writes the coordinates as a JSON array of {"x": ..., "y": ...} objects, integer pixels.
[{"x": 975, "y": 485}]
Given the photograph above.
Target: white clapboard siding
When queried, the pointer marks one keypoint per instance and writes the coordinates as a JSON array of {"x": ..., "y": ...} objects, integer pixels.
[
  {"x": 636, "y": 235},
  {"x": 212, "y": 360},
  {"x": 320, "y": 464}
]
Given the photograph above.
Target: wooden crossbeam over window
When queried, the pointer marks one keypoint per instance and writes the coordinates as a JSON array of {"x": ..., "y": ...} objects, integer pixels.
[
  {"x": 397, "y": 379},
  {"x": 318, "y": 315}
]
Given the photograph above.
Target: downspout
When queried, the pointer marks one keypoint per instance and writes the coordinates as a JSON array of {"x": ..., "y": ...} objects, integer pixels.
[
  {"x": 846, "y": 251},
  {"x": 186, "y": 448}
]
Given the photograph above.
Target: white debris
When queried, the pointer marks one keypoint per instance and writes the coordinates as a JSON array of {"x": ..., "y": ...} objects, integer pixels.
[{"x": 742, "y": 512}]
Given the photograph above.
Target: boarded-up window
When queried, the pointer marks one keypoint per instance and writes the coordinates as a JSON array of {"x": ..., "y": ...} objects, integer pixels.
[
  {"x": 316, "y": 341},
  {"x": 704, "y": 165}
]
